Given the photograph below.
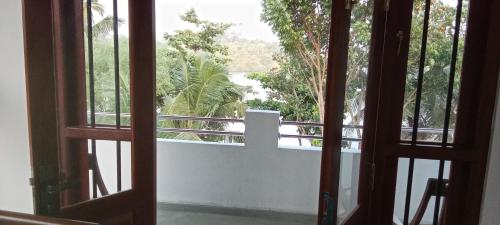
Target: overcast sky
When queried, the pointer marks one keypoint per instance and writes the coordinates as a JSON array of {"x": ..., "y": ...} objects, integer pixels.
[{"x": 244, "y": 14}]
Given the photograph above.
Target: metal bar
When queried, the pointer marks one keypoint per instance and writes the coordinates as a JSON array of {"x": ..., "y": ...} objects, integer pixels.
[
  {"x": 425, "y": 130},
  {"x": 90, "y": 47},
  {"x": 117, "y": 95},
  {"x": 194, "y": 118},
  {"x": 451, "y": 79},
  {"x": 416, "y": 115},
  {"x": 195, "y": 131},
  {"x": 438, "y": 194},
  {"x": 449, "y": 98},
  {"x": 423, "y": 51},
  {"x": 409, "y": 185},
  {"x": 312, "y": 124},
  {"x": 316, "y": 137}
]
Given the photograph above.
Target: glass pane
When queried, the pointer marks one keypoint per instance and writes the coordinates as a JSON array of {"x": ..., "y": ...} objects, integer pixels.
[
  {"x": 355, "y": 97},
  {"x": 252, "y": 155},
  {"x": 434, "y": 68},
  {"x": 105, "y": 177},
  {"x": 422, "y": 197},
  {"x": 107, "y": 63}
]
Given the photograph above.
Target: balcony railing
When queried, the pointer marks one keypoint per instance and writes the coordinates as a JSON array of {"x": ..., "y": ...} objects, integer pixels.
[{"x": 233, "y": 133}]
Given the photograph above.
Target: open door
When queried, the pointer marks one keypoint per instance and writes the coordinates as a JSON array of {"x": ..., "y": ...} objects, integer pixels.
[
  {"x": 344, "y": 165},
  {"x": 64, "y": 133}
]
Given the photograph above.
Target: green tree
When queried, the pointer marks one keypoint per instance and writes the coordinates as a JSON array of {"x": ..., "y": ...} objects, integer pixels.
[
  {"x": 202, "y": 89},
  {"x": 302, "y": 27},
  {"x": 249, "y": 55},
  {"x": 188, "y": 42},
  {"x": 195, "y": 63},
  {"x": 102, "y": 25},
  {"x": 436, "y": 67}
]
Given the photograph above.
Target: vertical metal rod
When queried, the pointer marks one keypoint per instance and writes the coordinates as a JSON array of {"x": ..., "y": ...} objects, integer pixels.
[
  {"x": 409, "y": 185},
  {"x": 449, "y": 98},
  {"x": 117, "y": 96},
  {"x": 416, "y": 115},
  {"x": 90, "y": 47},
  {"x": 437, "y": 205},
  {"x": 451, "y": 78}
]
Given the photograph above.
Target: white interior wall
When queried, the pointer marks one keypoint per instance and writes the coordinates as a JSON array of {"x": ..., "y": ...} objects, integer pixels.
[
  {"x": 491, "y": 198},
  {"x": 15, "y": 191}
]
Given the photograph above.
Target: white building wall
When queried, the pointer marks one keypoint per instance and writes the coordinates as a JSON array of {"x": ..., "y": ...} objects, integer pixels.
[{"x": 15, "y": 192}]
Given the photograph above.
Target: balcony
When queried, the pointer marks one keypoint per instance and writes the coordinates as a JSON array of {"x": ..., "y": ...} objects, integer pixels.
[{"x": 262, "y": 179}]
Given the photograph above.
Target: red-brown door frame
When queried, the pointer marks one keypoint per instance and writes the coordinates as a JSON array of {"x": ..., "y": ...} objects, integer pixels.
[
  {"x": 334, "y": 109},
  {"x": 337, "y": 67},
  {"x": 473, "y": 129},
  {"x": 55, "y": 79}
]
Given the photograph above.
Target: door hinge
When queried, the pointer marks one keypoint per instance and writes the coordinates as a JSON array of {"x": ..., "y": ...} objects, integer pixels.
[
  {"x": 63, "y": 183},
  {"x": 47, "y": 186},
  {"x": 372, "y": 176},
  {"x": 327, "y": 214}
]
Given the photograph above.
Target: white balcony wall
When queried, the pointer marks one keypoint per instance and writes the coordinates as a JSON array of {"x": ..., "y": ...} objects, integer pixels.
[
  {"x": 260, "y": 174},
  {"x": 257, "y": 175}
]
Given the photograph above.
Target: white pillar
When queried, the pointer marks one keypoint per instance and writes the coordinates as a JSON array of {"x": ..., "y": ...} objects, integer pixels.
[{"x": 262, "y": 129}]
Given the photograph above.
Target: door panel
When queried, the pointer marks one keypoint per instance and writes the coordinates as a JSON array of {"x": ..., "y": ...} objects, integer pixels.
[
  {"x": 342, "y": 163},
  {"x": 72, "y": 178},
  {"x": 424, "y": 170}
]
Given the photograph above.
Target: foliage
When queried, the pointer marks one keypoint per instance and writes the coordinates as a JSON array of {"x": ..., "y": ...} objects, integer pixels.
[
  {"x": 188, "y": 42},
  {"x": 302, "y": 27},
  {"x": 203, "y": 89},
  {"x": 104, "y": 79},
  {"x": 437, "y": 65},
  {"x": 199, "y": 83},
  {"x": 249, "y": 55},
  {"x": 102, "y": 25}
]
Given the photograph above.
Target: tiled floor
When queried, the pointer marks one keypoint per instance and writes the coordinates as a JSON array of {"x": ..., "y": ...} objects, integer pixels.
[{"x": 201, "y": 215}]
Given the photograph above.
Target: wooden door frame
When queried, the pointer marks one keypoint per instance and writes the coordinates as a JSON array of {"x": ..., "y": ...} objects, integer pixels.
[
  {"x": 337, "y": 65},
  {"x": 55, "y": 69},
  {"x": 473, "y": 129},
  {"x": 334, "y": 109}
]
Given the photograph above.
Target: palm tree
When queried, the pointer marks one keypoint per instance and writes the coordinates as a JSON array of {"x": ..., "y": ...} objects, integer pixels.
[
  {"x": 104, "y": 25},
  {"x": 203, "y": 89}
]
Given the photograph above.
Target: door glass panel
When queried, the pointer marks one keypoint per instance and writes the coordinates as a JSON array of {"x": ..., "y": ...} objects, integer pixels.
[
  {"x": 107, "y": 63},
  {"x": 417, "y": 186},
  {"x": 112, "y": 172},
  {"x": 241, "y": 97},
  {"x": 435, "y": 56},
  {"x": 355, "y": 97},
  {"x": 108, "y": 97}
]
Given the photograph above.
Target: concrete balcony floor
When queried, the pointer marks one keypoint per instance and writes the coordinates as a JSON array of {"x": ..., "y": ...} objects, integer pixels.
[{"x": 172, "y": 214}]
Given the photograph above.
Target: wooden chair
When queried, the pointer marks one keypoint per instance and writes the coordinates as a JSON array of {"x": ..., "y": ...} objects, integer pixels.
[{"x": 432, "y": 189}]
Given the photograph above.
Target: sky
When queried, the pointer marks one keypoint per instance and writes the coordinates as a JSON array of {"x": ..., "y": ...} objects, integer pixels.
[{"x": 244, "y": 14}]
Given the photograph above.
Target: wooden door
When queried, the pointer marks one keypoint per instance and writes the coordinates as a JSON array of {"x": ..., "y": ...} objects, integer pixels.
[
  {"x": 463, "y": 142},
  {"x": 345, "y": 166},
  {"x": 399, "y": 146},
  {"x": 64, "y": 134}
]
